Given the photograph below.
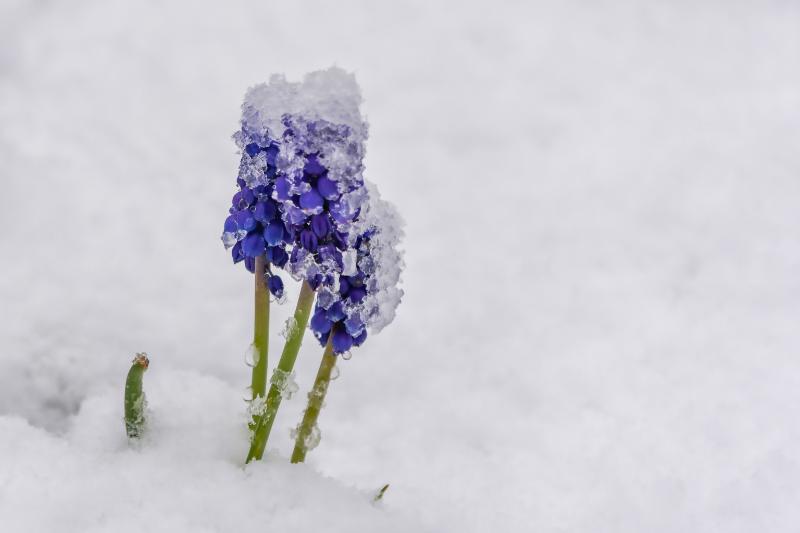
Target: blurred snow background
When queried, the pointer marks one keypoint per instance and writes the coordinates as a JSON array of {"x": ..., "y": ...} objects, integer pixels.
[{"x": 600, "y": 329}]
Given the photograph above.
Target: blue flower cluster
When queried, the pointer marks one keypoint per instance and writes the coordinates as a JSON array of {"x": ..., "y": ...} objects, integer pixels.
[
  {"x": 367, "y": 294},
  {"x": 303, "y": 204},
  {"x": 337, "y": 315},
  {"x": 254, "y": 226},
  {"x": 291, "y": 206}
]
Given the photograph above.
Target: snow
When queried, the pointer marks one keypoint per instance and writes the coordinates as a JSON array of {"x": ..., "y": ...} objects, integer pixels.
[
  {"x": 331, "y": 95},
  {"x": 184, "y": 476},
  {"x": 385, "y": 257},
  {"x": 599, "y": 331}
]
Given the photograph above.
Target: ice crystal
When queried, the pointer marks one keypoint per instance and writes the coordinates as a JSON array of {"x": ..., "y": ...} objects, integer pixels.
[
  {"x": 289, "y": 328},
  {"x": 256, "y": 407},
  {"x": 284, "y": 382},
  {"x": 311, "y": 440}
]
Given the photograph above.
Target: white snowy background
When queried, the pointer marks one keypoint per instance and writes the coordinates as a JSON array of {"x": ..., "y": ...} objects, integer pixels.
[{"x": 602, "y": 316}]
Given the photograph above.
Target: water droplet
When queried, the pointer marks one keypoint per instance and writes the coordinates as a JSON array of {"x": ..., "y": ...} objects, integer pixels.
[
  {"x": 251, "y": 356},
  {"x": 335, "y": 373},
  {"x": 347, "y": 355}
]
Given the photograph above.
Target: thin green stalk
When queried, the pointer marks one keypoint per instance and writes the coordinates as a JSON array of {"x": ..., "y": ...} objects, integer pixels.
[
  {"x": 260, "y": 330},
  {"x": 315, "y": 399},
  {"x": 294, "y": 338},
  {"x": 135, "y": 402}
]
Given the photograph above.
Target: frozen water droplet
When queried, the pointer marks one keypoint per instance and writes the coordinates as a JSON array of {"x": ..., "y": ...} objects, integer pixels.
[
  {"x": 290, "y": 389},
  {"x": 290, "y": 328},
  {"x": 251, "y": 356},
  {"x": 281, "y": 300},
  {"x": 284, "y": 382},
  {"x": 313, "y": 438},
  {"x": 257, "y": 406},
  {"x": 335, "y": 373},
  {"x": 347, "y": 355},
  {"x": 326, "y": 297},
  {"x": 229, "y": 239},
  {"x": 349, "y": 261}
]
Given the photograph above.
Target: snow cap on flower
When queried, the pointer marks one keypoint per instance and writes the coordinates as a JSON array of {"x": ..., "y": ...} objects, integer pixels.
[
  {"x": 367, "y": 293},
  {"x": 300, "y": 178}
]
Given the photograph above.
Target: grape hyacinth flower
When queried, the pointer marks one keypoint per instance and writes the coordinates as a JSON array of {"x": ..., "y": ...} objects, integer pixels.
[
  {"x": 368, "y": 296},
  {"x": 300, "y": 194}
]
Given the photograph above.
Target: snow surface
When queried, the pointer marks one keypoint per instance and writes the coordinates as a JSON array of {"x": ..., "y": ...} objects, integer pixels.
[{"x": 600, "y": 326}]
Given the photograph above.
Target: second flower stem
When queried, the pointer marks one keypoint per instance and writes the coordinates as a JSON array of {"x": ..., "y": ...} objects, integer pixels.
[
  {"x": 294, "y": 338},
  {"x": 315, "y": 400},
  {"x": 260, "y": 330}
]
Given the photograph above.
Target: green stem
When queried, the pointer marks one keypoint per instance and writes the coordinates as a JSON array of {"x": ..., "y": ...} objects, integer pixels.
[
  {"x": 294, "y": 338},
  {"x": 260, "y": 330},
  {"x": 315, "y": 399},
  {"x": 135, "y": 402}
]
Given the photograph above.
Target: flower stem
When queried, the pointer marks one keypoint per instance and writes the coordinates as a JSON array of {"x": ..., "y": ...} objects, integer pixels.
[
  {"x": 260, "y": 330},
  {"x": 315, "y": 399},
  {"x": 294, "y": 339},
  {"x": 134, "y": 397}
]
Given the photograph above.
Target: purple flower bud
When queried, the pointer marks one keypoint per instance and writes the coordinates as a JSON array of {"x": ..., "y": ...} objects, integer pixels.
[
  {"x": 340, "y": 239},
  {"x": 315, "y": 281},
  {"x": 253, "y": 245},
  {"x": 251, "y": 149},
  {"x": 230, "y": 224},
  {"x": 354, "y": 325},
  {"x": 308, "y": 240},
  {"x": 265, "y": 211},
  {"x": 275, "y": 286},
  {"x": 320, "y": 323},
  {"x": 323, "y": 337},
  {"x": 327, "y": 188},
  {"x": 282, "y": 189},
  {"x": 329, "y": 253},
  {"x": 311, "y": 201},
  {"x": 236, "y": 252},
  {"x": 277, "y": 256},
  {"x": 294, "y": 215},
  {"x": 313, "y": 167},
  {"x": 342, "y": 341},
  {"x": 343, "y": 286},
  {"x": 356, "y": 281},
  {"x": 238, "y": 201},
  {"x": 272, "y": 152},
  {"x": 245, "y": 220},
  {"x": 338, "y": 213},
  {"x": 250, "y": 264},
  {"x": 273, "y": 233},
  {"x": 356, "y": 294},
  {"x": 248, "y": 196},
  {"x": 335, "y": 312},
  {"x": 359, "y": 339},
  {"x": 321, "y": 225}
]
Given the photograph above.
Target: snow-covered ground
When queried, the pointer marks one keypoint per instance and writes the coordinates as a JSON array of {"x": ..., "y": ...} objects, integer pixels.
[{"x": 600, "y": 328}]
